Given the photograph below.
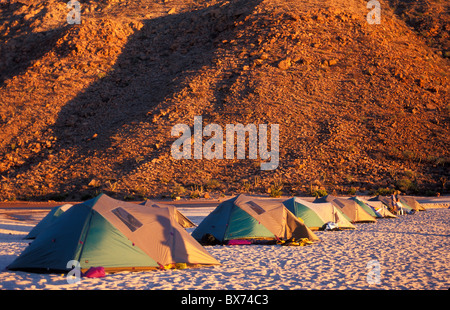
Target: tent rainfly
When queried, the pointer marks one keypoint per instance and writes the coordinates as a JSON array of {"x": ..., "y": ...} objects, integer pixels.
[
  {"x": 411, "y": 203},
  {"x": 115, "y": 235},
  {"x": 47, "y": 220},
  {"x": 378, "y": 207},
  {"x": 393, "y": 204},
  {"x": 363, "y": 205},
  {"x": 327, "y": 198},
  {"x": 244, "y": 217},
  {"x": 317, "y": 215},
  {"x": 179, "y": 217},
  {"x": 353, "y": 210}
]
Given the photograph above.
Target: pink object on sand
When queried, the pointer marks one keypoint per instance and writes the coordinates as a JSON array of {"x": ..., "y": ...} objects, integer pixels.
[
  {"x": 238, "y": 242},
  {"x": 95, "y": 272}
]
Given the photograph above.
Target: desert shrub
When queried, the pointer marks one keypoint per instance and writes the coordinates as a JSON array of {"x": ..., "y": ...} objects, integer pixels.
[
  {"x": 276, "y": 189},
  {"x": 384, "y": 191},
  {"x": 405, "y": 185},
  {"x": 196, "y": 191},
  {"x": 177, "y": 191},
  {"x": 319, "y": 192},
  {"x": 352, "y": 191},
  {"x": 213, "y": 184}
]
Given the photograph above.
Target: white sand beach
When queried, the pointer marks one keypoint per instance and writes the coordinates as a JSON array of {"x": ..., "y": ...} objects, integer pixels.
[{"x": 411, "y": 251}]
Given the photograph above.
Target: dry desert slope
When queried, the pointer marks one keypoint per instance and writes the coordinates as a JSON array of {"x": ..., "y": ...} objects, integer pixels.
[{"x": 89, "y": 107}]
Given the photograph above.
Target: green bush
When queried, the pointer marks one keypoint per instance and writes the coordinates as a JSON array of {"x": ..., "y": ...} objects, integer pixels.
[
  {"x": 276, "y": 189},
  {"x": 384, "y": 191},
  {"x": 405, "y": 185},
  {"x": 319, "y": 193}
]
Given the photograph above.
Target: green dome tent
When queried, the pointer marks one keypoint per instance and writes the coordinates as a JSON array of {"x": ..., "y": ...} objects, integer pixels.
[
  {"x": 378, "y": 207},
  {"x": 411, "y": 203},
  {"x": 366, "y": 207},
  {"x": 393, "y": 204},
  {"x": 316, "y": 215},
  {"x": 353, "y": 210},
  {"x": 115, "y": 235},
  {"x": 244, "y": 217}
]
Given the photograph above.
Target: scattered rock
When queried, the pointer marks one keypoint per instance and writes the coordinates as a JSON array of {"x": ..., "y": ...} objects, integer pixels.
[
  {"x": 285, "y": 63},
  {"x": 94, "y": 183},
  {"x": 333, "y": 62}
]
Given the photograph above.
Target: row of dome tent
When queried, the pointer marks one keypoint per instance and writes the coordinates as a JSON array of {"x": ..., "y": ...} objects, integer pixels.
[
  {"x": 379, "y": 206},
  {"x": 122, "y": 236},
  {"x": 118, "y": 235},
  {"x": 399, "y": 204},
  {"x": 245, "y": 220}
]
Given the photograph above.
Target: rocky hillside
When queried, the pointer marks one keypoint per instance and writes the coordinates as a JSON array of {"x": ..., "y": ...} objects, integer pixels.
[{"x": 88, "y": 108}]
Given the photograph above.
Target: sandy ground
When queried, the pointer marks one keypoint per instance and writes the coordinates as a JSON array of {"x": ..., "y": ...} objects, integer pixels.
[{"x": 411, "y": 251}]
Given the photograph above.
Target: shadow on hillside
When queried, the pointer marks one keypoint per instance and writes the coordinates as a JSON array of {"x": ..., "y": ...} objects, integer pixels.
[
  {"x": 428, "y": 18},
  {"x": 20, "y": 45},
  {"x": 155, "y": 62}
]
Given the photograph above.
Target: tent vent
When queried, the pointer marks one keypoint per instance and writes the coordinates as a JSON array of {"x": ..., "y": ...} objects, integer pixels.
[
  {"x": 128, "y": 219},
  {"x": 339, "y": 203},
  {"x": 255, "y": 207}
]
